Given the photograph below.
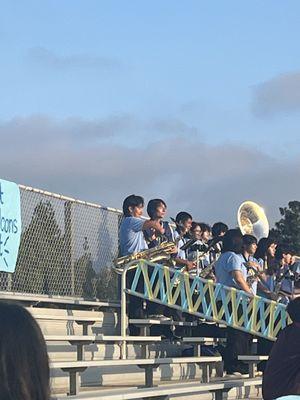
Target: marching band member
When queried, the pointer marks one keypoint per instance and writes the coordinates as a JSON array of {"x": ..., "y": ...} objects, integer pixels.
[
  {"x": 183, "y": 225},
  {"x": 205, "y": 238},
  {"x": 265, "y": 254},
  {"x": 284, "y": 281},
  {"x": 132, "y": 238},
  {"x": 156, "y": 209},
  {"x": 197, "y": 245},
  {"x": 132, "y": 241},
  {"x": 219, "y": 229},
  {"x": 252, "y": 265},
  {"x": 231, "y": 271}
]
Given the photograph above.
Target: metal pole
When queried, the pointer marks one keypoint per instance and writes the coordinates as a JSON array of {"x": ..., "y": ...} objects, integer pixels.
[{"x": 124, "y": 323}]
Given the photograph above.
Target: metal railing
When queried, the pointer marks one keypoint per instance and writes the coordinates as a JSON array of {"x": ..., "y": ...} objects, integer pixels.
[
  {"x": 67, "y": 247},
  {"x": 202, "y": 298}
]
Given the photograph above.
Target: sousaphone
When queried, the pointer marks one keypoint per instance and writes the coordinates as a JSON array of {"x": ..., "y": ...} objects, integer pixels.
[{"x": 252, "y": 220}]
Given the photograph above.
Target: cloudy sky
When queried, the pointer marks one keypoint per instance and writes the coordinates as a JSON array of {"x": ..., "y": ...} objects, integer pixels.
[{"x": 196, "y": 102}]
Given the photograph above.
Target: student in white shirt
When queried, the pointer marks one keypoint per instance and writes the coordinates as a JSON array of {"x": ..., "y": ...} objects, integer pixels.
[{"x": 183, "y": 225}]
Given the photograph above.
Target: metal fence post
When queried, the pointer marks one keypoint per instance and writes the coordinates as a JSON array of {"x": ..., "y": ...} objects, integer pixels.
[{"x": 69, "y": 243}]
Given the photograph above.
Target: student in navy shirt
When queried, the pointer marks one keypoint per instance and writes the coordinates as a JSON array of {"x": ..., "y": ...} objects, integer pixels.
[
  {"x": 282, "y": 373},
  {"x": 285, "y": 274}
]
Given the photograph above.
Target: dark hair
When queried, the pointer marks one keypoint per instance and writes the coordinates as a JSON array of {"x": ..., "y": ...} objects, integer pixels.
[
  {"x": 132, "y": 201},
  {"x": 194, "y": 225},
  {"x": 153, "y": 205},
  {"x": 24, "y": 366},
  {"x": 233, "y": 241},
  {"x": 182, "y": 217},
  {"x": 262, "y": 247},
  {"x": 281, "y": 250},
  {"x": 293, "y": 308},
  {"x": 205, "y": 227},
  {"x": 248, "y": 240},
  {"x": 218, "y": 228}
]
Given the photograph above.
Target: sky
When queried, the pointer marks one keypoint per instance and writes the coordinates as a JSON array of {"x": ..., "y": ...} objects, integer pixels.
[{"x": 195, "y": 102}]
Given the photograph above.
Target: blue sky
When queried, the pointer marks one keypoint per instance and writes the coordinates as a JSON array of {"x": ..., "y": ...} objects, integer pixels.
[{"x": 140, "y": 75}]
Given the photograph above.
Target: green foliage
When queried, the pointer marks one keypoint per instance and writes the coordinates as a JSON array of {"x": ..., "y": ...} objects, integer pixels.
[
  {"x": 41, "y": 256},
  {"x": 54, "y": 262},
  {"x": 287, "y": 229}
]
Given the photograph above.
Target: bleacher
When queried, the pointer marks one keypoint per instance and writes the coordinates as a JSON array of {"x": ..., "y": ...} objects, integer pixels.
[
  {"x": 86, "y": 360},
  {"x": 92, "y": 356}
]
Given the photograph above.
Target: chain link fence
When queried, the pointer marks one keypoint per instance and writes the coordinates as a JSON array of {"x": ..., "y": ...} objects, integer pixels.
[{"x": 67, "y": 248}]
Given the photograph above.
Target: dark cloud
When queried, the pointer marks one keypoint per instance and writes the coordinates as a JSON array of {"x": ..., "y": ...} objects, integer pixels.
[
  {"x": 209, "y": 181},
  {"x": 47, "y": 58},
  {"x": 280, "y": 94}
]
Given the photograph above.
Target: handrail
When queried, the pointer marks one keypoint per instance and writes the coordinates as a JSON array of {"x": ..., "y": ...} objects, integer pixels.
[{"x": 203, "y": 298}]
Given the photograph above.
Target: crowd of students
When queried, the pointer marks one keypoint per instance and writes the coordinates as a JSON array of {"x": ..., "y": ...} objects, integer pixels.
[
  {"x": 261, "y": 267},
  {"x": 24, "y": 365},
  {"x": 257, "y": 267}
]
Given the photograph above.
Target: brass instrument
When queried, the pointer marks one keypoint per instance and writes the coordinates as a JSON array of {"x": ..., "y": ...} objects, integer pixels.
[
  {"x": 252, "y": 220},
  {"x": 207, "y": 272},
  {"x": 160, "y": 252},
  {"x": 254, "y": 272}
]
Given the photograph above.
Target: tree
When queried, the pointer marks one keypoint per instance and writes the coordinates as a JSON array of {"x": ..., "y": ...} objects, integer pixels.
[
  {"x": 41, "y": 255},
  {"x": 287, "y": 229}
]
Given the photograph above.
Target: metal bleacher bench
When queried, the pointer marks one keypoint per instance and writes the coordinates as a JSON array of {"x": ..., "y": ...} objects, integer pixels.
[
  {"x": 80, "y": 320},
  {"x": 75, "y": 367},
  {"x": 252, "y": 361},
  {"x": 146, "y": 323},
  {"x": 219, "y": 388},
  {"x": 64, "y": 300},
  {"x": 81, "y": 340}
]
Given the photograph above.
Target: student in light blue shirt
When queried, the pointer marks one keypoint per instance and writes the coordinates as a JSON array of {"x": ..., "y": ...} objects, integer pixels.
[
  {"x": 132, "y": 238},
  {"x": 132, "y": 241},
  {"x": 231, "y": 271}
]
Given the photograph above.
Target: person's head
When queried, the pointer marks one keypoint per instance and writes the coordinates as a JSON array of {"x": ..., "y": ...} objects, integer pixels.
[
  {"x": 196, "y": 230},
  {"x": 206, "y": 232},
  {"x": 283, "y": 254},
  {"x": 293, "y": 309},
  {"x": 219, "y": 229},
  {"x": 233, "y": 241},
  {"x": 249, "y": 244},
  {"x": 133, "y": 206},
  {"x": 184, "y": 221},
  {"x": 266, "y": 247},
  {"x": 156, "y": 208},
  {"x": 24, "y": 366}
]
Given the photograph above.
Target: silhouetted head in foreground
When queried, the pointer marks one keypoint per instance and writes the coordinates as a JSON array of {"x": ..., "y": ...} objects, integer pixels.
[
  {"x": 24, "y": 366},
  {"x": 293, "y": 309}
]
